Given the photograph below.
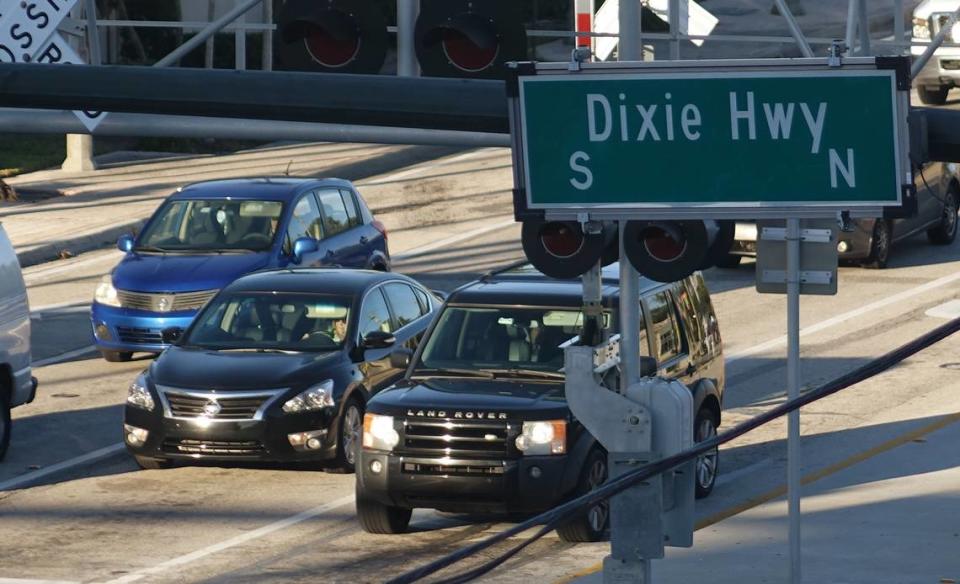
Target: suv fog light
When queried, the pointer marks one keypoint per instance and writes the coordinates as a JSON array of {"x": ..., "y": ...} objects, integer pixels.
[
  {"x": 535, "y": 472},
  {"x": 135, "y": 436},
  {"x": 302, "y": 441},
  {"x": 376, "y": 466},
  {"x": 843, "y": 246},
  {"x": 102, "y": 332}
]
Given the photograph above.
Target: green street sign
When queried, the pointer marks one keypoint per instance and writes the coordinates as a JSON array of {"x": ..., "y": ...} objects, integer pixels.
[{"x": 712, "y": 139}]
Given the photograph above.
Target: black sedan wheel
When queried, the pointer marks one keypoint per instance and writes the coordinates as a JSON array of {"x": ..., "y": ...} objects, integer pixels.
[
  {"x": 946, "y": 231},
  {"x": 348, "y": 442},
  {"x": 708, "y": 465},
  {"x": 880, "y": 247},
  {"x": 592, "y": 525}
]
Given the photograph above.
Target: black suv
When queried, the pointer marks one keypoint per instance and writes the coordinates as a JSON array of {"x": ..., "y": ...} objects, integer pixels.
[{"x": 480, "y": 423}]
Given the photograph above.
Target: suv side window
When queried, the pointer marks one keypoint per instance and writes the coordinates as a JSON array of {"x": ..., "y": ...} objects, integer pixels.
[
  {"x": 666, "y": 333},
  {"x": 335, "y": 218},
  {"x": 304, "y": 221},
  {"x": 353, "y": 216},
  {"x": 404, "y": 302},
  {"x": 374, "y": 315}
]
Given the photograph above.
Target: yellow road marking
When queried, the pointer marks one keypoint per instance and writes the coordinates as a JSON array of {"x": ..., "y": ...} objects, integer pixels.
[{"x": 810, "y": 478}]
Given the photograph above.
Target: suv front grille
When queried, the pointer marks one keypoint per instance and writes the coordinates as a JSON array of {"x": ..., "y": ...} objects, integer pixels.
[
  {"x": 453, "y": 438},
  {"x": 216, "y": 406},
  {"x": 164, "y": 302},
  {"x": 213, "y": 447}
]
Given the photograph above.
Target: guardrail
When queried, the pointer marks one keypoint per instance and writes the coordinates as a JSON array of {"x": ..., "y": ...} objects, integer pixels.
[{"x": 555, "y": 517}]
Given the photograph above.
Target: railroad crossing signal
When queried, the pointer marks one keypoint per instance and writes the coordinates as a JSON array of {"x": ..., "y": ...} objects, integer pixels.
[{"x": 333, "y": 36}]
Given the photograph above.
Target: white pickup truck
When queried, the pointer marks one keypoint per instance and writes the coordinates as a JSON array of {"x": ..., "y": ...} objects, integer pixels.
[{"x": 942, "y": 72}]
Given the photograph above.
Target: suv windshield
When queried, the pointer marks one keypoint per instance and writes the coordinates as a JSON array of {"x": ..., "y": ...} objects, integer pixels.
[
  {"x": 274, "y": 322},
  {"x": 504, "y": 339},
  {"x": 212, "y": 225}
]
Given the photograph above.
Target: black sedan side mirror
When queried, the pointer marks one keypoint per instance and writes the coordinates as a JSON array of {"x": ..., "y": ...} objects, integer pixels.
[
  {"x": 378, "y": 340},
  {"x": 171, "y": 335},
  {"x": 400, "y": 358},
  {"x": 648, "y": 366}
]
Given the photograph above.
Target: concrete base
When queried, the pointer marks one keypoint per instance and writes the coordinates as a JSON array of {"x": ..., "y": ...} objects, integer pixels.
[{"x": 79, "y": 153}]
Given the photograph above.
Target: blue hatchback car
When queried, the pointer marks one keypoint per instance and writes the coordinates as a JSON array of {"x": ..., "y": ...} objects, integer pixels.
[{"x": 206, "y": 235}]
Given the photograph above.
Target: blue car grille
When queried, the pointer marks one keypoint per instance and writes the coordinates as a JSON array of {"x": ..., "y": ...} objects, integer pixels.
[
  {"x": 164, "y": 302},
  {"x": 139, "y": 336}
]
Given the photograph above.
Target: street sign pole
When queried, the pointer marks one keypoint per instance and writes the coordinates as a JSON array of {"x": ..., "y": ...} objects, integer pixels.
[{"x": 793, "y": 392}]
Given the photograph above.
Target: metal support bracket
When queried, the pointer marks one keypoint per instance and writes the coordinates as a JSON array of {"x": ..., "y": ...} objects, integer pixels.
[
  {"x": 806, "y": 277},
  {"x": 808, "y": 235},
  {"x": 835, "y": 53},
  {"x": 72, "y": 26}
]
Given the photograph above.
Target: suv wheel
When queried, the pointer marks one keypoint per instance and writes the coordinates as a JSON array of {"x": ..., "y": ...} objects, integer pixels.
[
  {"x": 150, "y": 463},
  {"x": 348, "y": 442},
  {"x": 946, "y": 231},
  {"x": 5, "y": 422},
  {"x": 708, "y": 465},
  {"x": 375, "y": 517},
  {"x": 880, "y": 247},
  {"x": 591, "y": 526},
  {"x": 116, "y": 356},
  {"x": 933, "y": 94}
]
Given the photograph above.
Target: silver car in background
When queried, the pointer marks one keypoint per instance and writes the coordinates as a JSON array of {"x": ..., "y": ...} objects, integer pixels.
[{"x": 17, "y": 384}]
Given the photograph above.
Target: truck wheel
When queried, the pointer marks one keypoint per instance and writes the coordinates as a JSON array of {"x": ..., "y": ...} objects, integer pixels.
[
  {"x": 5, "y": 422},
  {"x": 592, "y": 525},
  {"x": 381, "y": 519},
  {"x": 707, "y": 468},
  {"x": 880, "y": 247},
  {"x": 933, "y": 95},
  {"x": 946, "y": 231},
  {"x": 150, "y": 463},
  {"x": 348, "y": 440},
  {"x": 116, "y": 356}
]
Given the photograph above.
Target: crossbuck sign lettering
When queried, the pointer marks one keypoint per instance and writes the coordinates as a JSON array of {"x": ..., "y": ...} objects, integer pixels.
[{"x": 748, "y": 138}]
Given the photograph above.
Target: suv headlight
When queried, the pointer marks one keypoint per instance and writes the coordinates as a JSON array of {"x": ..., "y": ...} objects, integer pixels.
[
  {"x": 138, "y": 394},
  {"x": 546, "y": 437},
  {"x": 921, "y": 28},
  {"x": 316, "y": 398},
  {"x": 106, "y": 294},
  {"x": 379, "y": 433}
]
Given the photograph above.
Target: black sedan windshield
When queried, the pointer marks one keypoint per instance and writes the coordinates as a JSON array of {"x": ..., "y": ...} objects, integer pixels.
[
  {"x": 212, "y": 224},
  {"x": 506, "y": 339},
  {"x": 275, "y": 322}
]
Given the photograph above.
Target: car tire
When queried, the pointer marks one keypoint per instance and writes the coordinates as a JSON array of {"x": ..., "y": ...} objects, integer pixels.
[
  {"x": 946, "y": 231},
  {"x": 116, "y": 356},
  {"x": 729, "y": 261},
  {"x": 880, "y": 245},
  {"x": 348, "y": 438},
  {"x": 5, "y": 421},
  {"x": 151, "y": 463},
  {"x": 933, "y": 95},
  {"x": 592, "y": 525},
  {"x": 707, "y": 465},
  {"x": 375, "y": 517}
]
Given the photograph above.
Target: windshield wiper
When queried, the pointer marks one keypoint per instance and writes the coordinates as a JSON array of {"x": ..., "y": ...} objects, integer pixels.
[
  {"x": 254, "y": 350},
  {"x": 454, "y": 371},
  {"x": 151, "y": 248},
  {"x": 517, "y": 372}
]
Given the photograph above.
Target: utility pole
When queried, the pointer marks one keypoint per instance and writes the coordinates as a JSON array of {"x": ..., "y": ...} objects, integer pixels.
[{"x": 80, "y": 146}]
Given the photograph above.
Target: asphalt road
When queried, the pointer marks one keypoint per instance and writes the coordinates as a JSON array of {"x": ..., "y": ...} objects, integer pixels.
[{"x": 75, "y": 508}]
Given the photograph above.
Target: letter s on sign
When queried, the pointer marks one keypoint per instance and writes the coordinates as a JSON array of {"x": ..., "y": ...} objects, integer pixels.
[
  {"x": 17, "y": 36},
  {"x": 32, "y": 14},
  {"x": 575, "y": 165}
]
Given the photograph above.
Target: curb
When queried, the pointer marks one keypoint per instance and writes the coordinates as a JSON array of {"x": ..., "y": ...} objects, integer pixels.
[{"x": 352, "y": 171}]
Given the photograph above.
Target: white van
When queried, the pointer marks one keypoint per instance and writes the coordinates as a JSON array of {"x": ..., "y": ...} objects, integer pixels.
[{"x": 17, "y": 385}]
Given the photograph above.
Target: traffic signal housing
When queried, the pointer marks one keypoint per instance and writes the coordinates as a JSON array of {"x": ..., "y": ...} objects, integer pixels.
[
  {"x": 469, "y": 38},
  {"x": 332, "y": 36}
]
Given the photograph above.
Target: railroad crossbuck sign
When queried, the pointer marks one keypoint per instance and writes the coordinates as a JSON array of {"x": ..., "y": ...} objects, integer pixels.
[
  {"x": 28, "y": 34},
  {"x": 750, "y": 138}
]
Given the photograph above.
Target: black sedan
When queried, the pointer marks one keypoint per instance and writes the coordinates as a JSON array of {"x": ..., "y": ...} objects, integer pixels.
[{"x": 278, "y": 366}]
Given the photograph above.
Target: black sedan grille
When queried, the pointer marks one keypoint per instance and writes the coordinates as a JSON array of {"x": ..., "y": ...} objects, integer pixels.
[
  {"x": 216, "y": 406},
  {"x": 455, "y": 438},
  {"x": 213, "y": 447}
]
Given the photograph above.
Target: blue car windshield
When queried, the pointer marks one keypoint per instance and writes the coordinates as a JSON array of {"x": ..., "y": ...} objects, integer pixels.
[
  {"x": 269, "y": 321},
  {"x": 212, "y": 225}
]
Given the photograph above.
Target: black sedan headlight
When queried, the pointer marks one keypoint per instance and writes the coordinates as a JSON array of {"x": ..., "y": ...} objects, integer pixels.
[{"x": 319, "y": 396}]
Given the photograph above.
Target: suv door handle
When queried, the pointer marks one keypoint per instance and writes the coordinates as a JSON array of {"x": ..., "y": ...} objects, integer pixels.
[
  {"x": 364, "y": 239},
  {"x": 329, "y": 253}
]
